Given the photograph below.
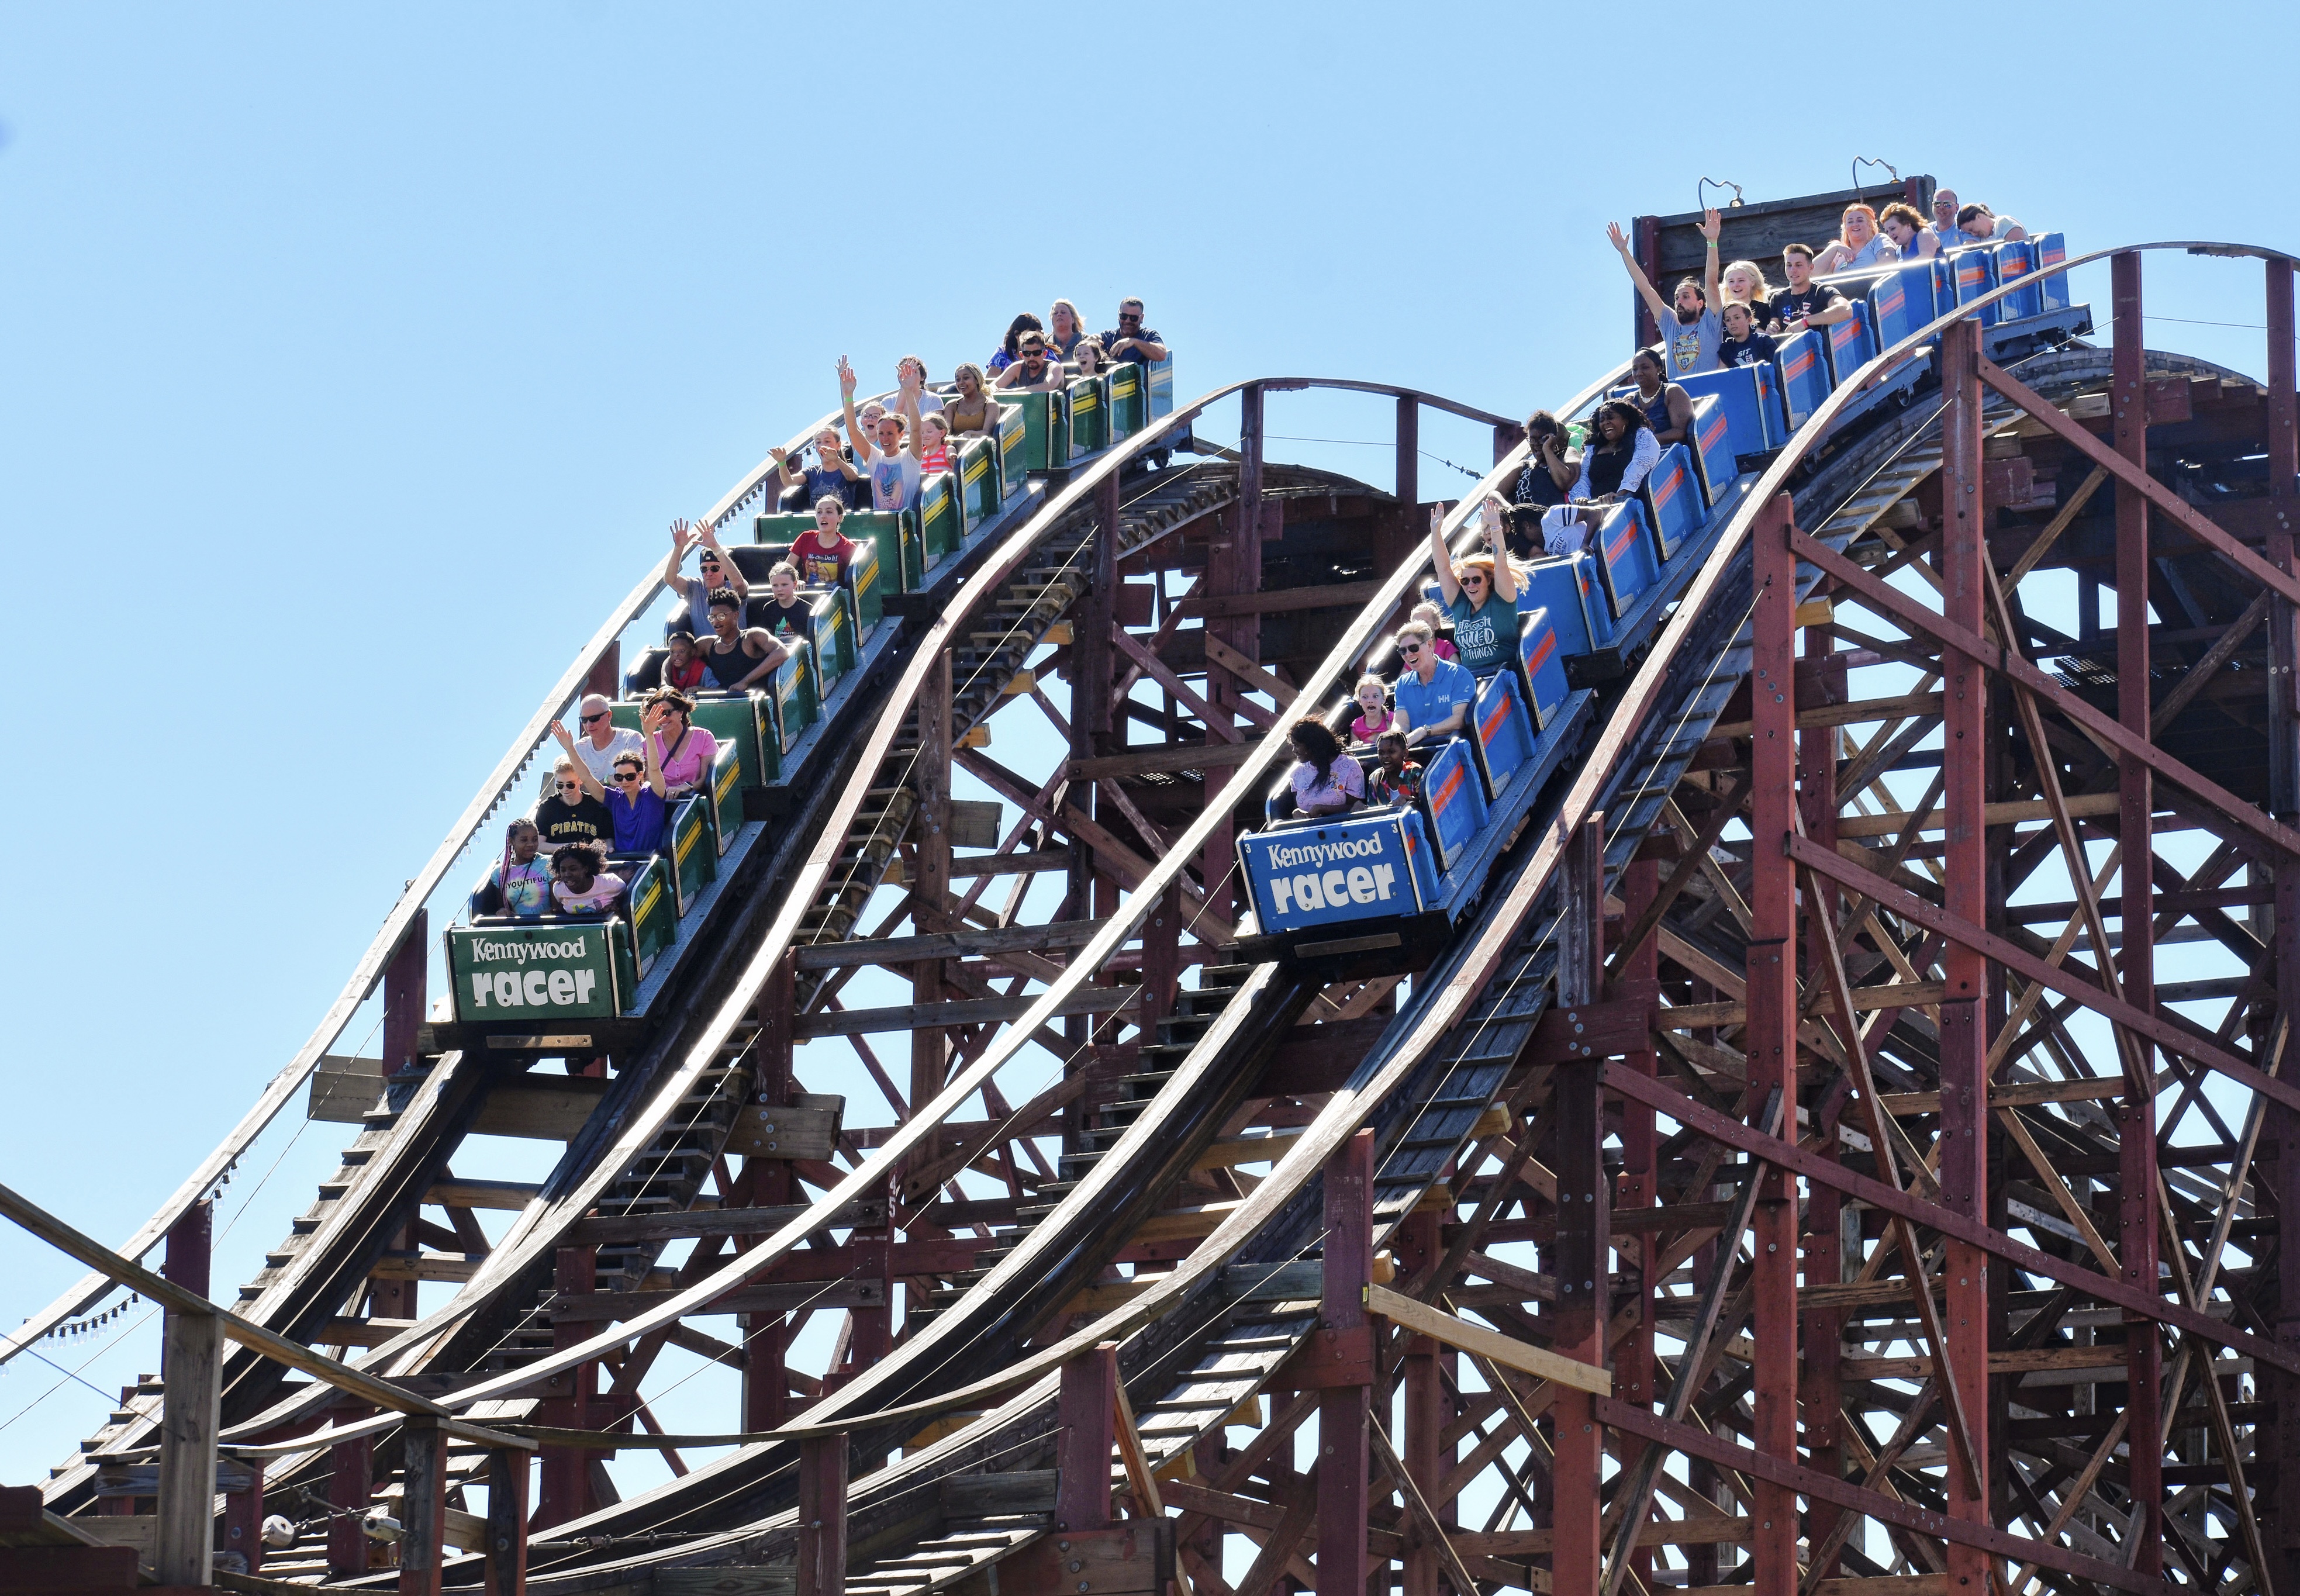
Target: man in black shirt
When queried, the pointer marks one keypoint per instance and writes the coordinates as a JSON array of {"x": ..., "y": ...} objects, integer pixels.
[
  {"x": 1744, "y": 344},
  {"x": 1804, "y": 303},
  {"x": 1133, "y": 341},
  {"x": 576, "y": 810}
]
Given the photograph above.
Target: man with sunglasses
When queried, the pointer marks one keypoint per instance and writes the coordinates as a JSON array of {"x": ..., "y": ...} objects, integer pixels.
[
  {"x": 574, "y": 809},
  {"x": 1036, "y": 369},
  {"x": 1133, "y": 341},
  {"x": 637, "y": 801},
  {"x": 600, "y": 739},
  {"x": 718, "y": 570},
  {"x": 1432, "y": 695}
]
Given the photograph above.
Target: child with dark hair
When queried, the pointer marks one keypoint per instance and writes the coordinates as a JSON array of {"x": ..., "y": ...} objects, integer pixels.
[
  {"x": 581, "y": 881},
  {"x": 1327, "y": 781},
  {"x": 1744, "y": 344},
  {"x": 1396, "y": 780},
  {"x": 521, "y": 883},
  {"x": 684, "y": 669}
]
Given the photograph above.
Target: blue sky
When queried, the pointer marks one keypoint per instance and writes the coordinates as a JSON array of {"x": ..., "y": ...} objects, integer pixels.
[{"x": 357, "y": 357}]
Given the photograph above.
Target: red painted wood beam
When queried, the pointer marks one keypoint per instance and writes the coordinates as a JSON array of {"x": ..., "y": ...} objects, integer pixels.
[
  {"x": 1769, "y": 1037},
  {"x": 1900, "y": 607},
  {"x": 1707, "y": 1121}
]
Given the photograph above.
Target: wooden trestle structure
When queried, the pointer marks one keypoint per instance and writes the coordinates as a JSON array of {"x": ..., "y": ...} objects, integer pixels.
[{"x": 1843, "y": 1206}]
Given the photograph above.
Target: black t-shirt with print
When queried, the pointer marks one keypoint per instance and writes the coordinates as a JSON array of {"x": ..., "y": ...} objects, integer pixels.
[
  {"x": 586, "y": 821},
  {"x": 1755, "y": 350},
  {"x": 786, "y": 620},
  {"x": 1789, "y": 304}
]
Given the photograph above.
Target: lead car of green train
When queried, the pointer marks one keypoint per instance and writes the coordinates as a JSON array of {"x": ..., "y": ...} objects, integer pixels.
[{"x": 523, "y": 982}]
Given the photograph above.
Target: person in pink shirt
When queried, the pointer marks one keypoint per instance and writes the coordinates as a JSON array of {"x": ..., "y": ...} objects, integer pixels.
[
  {"x": 1374, "y": 716},
  {"x": 683, "y": 752}
]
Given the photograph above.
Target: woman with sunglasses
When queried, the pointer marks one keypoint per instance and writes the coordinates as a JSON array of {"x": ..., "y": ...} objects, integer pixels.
[
  {"x": 1621, "y": 452},
  {"x": 574, "y": 809},
  {"x": 1432, "y": 695},
  {"x": 717, "y": 570},
  {"x": 683, "y": 753},
  {"x": 639, "y": 801},
  {"x": 1481, "y": 592}
]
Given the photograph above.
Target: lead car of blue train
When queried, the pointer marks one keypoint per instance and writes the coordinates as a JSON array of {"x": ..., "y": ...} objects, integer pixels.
[
  {"x": 1382, "y": 888},
  {"x": 560, "y": 981}
]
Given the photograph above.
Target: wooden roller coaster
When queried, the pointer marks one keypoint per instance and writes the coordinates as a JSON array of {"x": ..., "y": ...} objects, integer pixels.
[{"x": 1789, "y": 1172}]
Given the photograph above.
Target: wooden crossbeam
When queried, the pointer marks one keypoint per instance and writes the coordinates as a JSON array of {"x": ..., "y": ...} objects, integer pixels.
[
  {"x": 947, "y": 944},
  {"x": 1538, "y": 1361},
  {"x": 910, "y": 1016}
]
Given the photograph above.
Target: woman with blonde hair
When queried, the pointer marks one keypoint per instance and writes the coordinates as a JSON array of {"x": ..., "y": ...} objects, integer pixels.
[
  {"x": 1064, "y": 326},
  {"x": 1859, "y": 243},
  {"x": 970, "y": 408},
  {"x": 1743, "y": 283}
]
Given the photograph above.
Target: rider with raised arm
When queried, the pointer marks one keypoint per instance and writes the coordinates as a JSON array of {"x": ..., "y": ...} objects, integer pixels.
[
  {"x": 1480, "y": 591},
  {"x": 888, "y": 459},
  {"x": 717, "y": 570},
  {"x": 1691, "y": 329}
]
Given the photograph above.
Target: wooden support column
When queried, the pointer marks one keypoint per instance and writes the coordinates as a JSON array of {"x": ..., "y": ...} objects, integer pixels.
[
  {"x": 243, "y": 1520},
  {"x": 1409, "y": 451},
  {"x": 1087, "y": 1410},
  {"x": 2135, "y": 1245},
  {"x": 1344, "y": 1409},
  {"x": 1963, "y": 1028},
  {"x": 567, "y": 1470},
  {"x": 768, "y": 1183},
  {"x": 1422, "y": 1447},
  {"x": 351, "y": 1467},
  {"x": 191, "y": 1241},
  {"x": 405, "y": 996},
  {"x": 1634, "y": 1364},
  {"x": 1233, "y": 566},
  {"x": 192, "y": 1369},
  {"x": 930, "y": 891},
  {"x": 822, "y": 1515},
  {"x": 1645, "y": 238},
  {"x": 505, "y": 1574},
  {"x": 422, "y": 1507},
  {"x": 605, "y": 677},
  {"x": 1584, "y": 1241},
  {"x": 1770, "y": 1038},
  {"x": 1820, "y": 1387},
  {"x": 2281, "y": 1137}
]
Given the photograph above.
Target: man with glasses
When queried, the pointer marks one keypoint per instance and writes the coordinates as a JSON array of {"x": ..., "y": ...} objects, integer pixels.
[
  {"x": 602, "y": 739},
  {"x": 1035, "y": 371},
  {"x": 1133, "y": 341},
  {"x": 574, "y": 811},
  {"x": 1432, "y": 695},
  {"x": 718, "y": 570}
]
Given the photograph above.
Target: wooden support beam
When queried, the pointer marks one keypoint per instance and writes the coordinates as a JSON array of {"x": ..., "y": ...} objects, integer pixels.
[
  {"x": 505, "y": 1549},
  {"x": 906, "y": 1017},
  {"x": 1281, "y": 601},
  {"x": 192, "y": 1366},
  {"x": 822, "y": 1516},
  {"x": 422, "y": 1508},
  {"x": 948, "y": 945},
  {"x": 1707, "y": 1121},
  {"x": 1088, "y": 1416},
  {"x": 1346, "y": 1399},
  {"x": 1490, "y": 1344},
  {"x": 1181, "y": 756}
]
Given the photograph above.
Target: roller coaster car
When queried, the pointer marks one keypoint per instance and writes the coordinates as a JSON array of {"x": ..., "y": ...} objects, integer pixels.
[{"x": 1377, "y": 891}]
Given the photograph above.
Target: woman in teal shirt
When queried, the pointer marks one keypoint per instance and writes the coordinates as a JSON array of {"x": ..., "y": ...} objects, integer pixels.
[{"x": 1481, "y": 592}]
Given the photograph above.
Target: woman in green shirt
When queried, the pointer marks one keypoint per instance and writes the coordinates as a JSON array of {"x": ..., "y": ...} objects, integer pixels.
[{"x": 1481, "y": 592}]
